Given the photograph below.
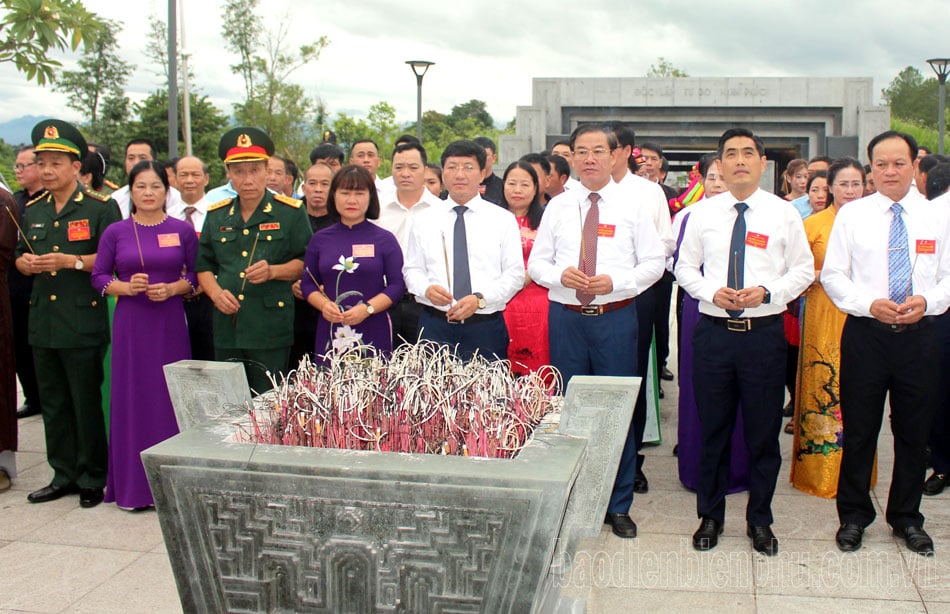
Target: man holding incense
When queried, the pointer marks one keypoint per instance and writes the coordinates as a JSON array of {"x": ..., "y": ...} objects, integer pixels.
[
  {"x": 251, "y": 251},
  {"x": 69, "y": 320}
]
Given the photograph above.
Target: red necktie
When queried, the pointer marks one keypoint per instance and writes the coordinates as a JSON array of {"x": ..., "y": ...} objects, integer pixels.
[{"x": 588, "y": 258}]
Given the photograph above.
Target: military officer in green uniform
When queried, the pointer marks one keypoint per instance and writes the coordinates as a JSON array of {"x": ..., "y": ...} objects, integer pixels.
[
  {"x": 250, "y": 253},
  {"x": 69, "y": 326}
]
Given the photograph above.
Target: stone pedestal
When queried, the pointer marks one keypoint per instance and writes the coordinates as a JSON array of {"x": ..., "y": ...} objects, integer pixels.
[{"x": 273, "y": 528}]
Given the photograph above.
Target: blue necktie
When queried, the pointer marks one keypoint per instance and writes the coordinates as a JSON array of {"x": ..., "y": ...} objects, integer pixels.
[
  {"x": 898, "y": 259},
  {"x": 737, "y": 255},
  {"x": 463, "y": 276}
]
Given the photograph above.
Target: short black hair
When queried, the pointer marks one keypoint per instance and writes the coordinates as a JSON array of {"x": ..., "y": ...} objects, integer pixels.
[
  {"x": 826, "y": 159},
  {"x": 732, "y": 133},
  {"x": 353, "y": 177},
  {"x": 929, "y": 161},
  {"x": 326, "y": 151},
  {"x": 625, "y": 134},
  {"x": 464, "y": 148},
  {"x": 938, "y": 180},
  {"x": 407, "y": 138},
  {"x": 25, "y": 148},
  {"x": 149, "y": 142},
  {"x": 816, "y": 175},
  {"x": 559, "y": 165},
  {"x": 370, "y": 141},
  {"x": 894, "y": 134},
  {"x": 412, "y": 146},
  {"x": 290, "y": 167},
  {"x": 486, "y": 143},
  {"x": 536, "y": 158},
  {"x": 664, "y": 165},
  {"x": 595, "y": 127},
  {"x": 652, "y": 147},
  {"x": 95, "y": 165},
  {"x": 706, "y": 162}
]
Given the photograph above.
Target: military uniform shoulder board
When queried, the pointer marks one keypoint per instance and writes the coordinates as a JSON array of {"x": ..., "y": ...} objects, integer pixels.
[
  {"x": 290, "y": 202},
  {"x": 220, "y": 204},
  {"x": 38, "y": 198},
  {"x": 97, "y": 195}
]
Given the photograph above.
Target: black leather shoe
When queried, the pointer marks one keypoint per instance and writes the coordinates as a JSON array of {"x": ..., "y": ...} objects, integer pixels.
[
  {"x": 935, "y": 484},
  {"x": 666, "y": 375},
  {"x": 707, "y": 535},
  {"x": 640, "y": 483},
  {"x": 51, "y": 493},
  {"x": 660, "y": 392},
  {"x": 763, "y": 540},
  {"x": 916, "y": 539},
  {"x": 849, "y": 537},
  {"x": 90, "y": 497},
  {"x": 789, "y": 410},
  {"x": 26, "y": 411},
  {"x": 622, "y": 525}
]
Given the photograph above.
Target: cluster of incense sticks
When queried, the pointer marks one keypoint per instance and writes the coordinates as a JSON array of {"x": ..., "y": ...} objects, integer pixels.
[{"x": 422, "y": 399}]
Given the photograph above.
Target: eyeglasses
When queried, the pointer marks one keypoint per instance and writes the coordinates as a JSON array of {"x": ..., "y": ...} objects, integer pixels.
[
  {"x": 844, "y": 185},
  {"x": 597, "y": 152},
  {"x": 454, "y": 168},
  {"x": 19, "y": 168}
]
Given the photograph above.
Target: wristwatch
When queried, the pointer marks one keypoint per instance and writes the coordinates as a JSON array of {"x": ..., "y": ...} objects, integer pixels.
[
  {"x": 369, "y": 309},
  {"x": 482, "y": 303},
  {"x": 767, "y": 299},
  {"x": 79, "y": 264}
]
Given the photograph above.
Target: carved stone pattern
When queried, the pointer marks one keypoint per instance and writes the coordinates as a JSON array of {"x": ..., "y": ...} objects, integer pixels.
[{"x": 363, "y": 557}]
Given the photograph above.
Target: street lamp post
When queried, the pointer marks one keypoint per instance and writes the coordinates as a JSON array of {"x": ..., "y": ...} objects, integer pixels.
[
  {"x": 940, "y": 66},
  {"x": 419, "y": 68}
]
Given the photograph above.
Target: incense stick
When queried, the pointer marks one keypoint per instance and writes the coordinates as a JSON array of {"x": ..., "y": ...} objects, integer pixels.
[
  {"x": 138, "y": 244},
  {"x": 250, "y": 259},
  {"x": 445, "y": 255},
  {"x": 20, "y": 230}
]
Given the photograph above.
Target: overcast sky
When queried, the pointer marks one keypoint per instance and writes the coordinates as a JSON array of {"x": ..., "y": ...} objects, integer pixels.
[{"x": 491, "y": 50}]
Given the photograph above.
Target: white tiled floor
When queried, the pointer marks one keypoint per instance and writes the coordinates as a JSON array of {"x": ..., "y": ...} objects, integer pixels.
[{"x": 57, "y": 557}]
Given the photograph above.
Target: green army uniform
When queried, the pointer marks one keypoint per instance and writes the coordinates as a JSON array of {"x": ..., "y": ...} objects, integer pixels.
[
  {"x": 261, "y": 332},
  {"x": 69, "y": 332}
]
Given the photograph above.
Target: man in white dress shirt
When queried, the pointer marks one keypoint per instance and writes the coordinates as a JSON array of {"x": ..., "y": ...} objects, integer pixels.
[
  {"x": 596, "y": 251},
  {"x": 397, "y": 210},
  {"x": 138, "y": 150},
  {"x": 888, "y": 267},
  {"x": 464, "y": 260},
  {"x": 744, "y": 257}
]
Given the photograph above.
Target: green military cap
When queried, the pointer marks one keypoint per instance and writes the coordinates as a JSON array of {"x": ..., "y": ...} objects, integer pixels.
[
  {"x": 57, "y": 135},
  {"x": 244, "y": 144}
]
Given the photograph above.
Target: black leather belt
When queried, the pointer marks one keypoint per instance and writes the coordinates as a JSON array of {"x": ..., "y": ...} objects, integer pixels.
[
  {"x": 472, "y": 319},
  {"x": 743, "y": 325},
  {"x": 894, "y": 328},
  {"x": 598, "y": 310}
]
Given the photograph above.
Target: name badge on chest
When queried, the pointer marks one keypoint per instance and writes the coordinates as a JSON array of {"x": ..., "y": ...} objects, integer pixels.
[
  {"x": 606, "y": 230},
  {"x": 754, "y": 239},
  {"x": 78, "y": 230},
  {"x": 367, "y": 250},
  {"x": 926, "y": 246},
  {"x": 170, "y": 239}
]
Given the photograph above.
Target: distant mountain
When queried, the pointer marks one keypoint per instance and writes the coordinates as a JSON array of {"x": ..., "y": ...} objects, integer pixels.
[{"x": 17, "y": 131}]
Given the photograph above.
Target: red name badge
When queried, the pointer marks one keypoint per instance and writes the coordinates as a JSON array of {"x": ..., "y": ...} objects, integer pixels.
[
  {"x": 367, "y": 250},
  {"x": 169, "y": 240},
  {"x": 754, "y": 239},
  {"x": 926, "y": 246},
  {"x": 606, "y": 230},
  {"x": 270, "y": 226},
  {"x": 78, "y": 230}
]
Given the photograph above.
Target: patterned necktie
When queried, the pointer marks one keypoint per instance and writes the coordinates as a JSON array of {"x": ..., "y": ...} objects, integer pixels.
[
  {"x": 898, "y": 259},
  {"x": 463, "y": 276},
  {"x": 588, "y": 259},
  {"x": 737, "y": 255},
  {"x": 190, "y": 211}
]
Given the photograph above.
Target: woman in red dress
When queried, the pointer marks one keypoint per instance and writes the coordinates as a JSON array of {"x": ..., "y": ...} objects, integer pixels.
[{"x": 527, "y": 313}]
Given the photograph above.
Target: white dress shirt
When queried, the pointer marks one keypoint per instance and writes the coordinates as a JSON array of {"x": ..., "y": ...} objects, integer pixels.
[
  {"x": 855, "y": 272},
  {"x": 397, "y": 218},
  {"x": 122, "y": 198},
  {"x": 650, "y": 196},
  {"x": 777, "y": 255},
  {"x": 572, "y": 184},
  {"x": 197, "y": 218},
  {"x": 629, "y": 249},
  {"x": 494, "y": 252}
]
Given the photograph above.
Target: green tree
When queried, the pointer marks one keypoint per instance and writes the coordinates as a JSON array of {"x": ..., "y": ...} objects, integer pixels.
[
  {"x": 913, "y": 98},
  {"x": 31, "y": 29},
  {"x": 474, "y": 110},
  {"x": 156, "y": 46},
  {"x": 102, "y": 73},
  {"x": 664, "y": 68}
]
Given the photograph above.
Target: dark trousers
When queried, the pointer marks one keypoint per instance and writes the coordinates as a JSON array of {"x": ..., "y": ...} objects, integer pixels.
[
  {"x": 645, "y": 302},
  {"x": 874, "y": 362},
  {"x": 305, "y": 332},
  {"x": 70, "y": 383},
  {"x": 405, "y": 320},
  {"x": 198, "y": 312},
  {"x": 257, "y": 363},
  {"x": 940, "y": 431},
  {"x": 599, "y": 345},
  {"x": 729, "y": 367},
  {"x": 25, "y": 369},
  {"x": 662, "y": 295},
  {"x": 488, "y": 337}
]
